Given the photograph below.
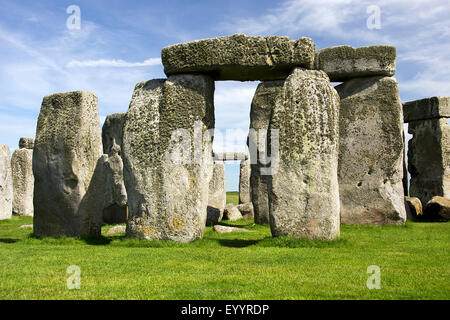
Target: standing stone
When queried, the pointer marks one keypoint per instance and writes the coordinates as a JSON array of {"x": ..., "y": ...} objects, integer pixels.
[
  {"x": 167, "y": 163},
  {"x": 26, "y": 143},
  {"x": 429, "y": 148},
  {"x": 261, "y": 109},
  {"x": 6, "y": 188},
  {"x": 115, "y": 207},
  {"x": 217, "y": 195},
  {"x": 112, "y": 132},
  {"x": 303, "y": 187},
  {"x": 371, "y": 152},
  {"x": 23, "y": 179},
  {"x": 67, "y": 151},
  {"x": 244, "y": 182}
]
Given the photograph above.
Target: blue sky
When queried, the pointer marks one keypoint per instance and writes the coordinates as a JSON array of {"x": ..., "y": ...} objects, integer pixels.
[{"x": 120, "y": 42}]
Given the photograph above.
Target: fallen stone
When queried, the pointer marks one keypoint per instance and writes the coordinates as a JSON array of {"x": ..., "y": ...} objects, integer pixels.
[
  {"x": 438, "y": 207},
  {"x": 231, "y": 213},
  {"x": 112, "y": 132},
  {"x": 240, "y": 57},
  {"x": 223, "y": 229},
  {"x": 261, "y": 109},
  {"x": 6, "y": 188},
  {"x": 23, "y": 182},
  {"x": 167, "y": 182},
  {"x": 413, "y": 208},
  {"x": 67, "y": 148},
  {"x": 26, "y": 226},
  {"x": 428, "y": 108},
  {"x": 429, "y": 159},
  {"x": 303, "y": 187},
  {"x": 246, "y": 210},
  {"x": 371, "y": 152},
  {"x": 244, "y": 182},
  {"x": 26, "y": 143},
  {"x": 116, "y": 229},
  {"x": 342, "y": 63},
  {"x": 217, "y": 194}
]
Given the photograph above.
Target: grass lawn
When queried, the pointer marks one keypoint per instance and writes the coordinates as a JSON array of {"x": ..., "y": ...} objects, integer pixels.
[{"x": 414, "y": 262}]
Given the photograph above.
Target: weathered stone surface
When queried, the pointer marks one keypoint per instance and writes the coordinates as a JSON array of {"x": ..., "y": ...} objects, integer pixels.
[
  {"x": 246, "y": 210},
  {"x": 116, "y": 229},
  {"x": 428, "y": 108},
  {"x": 6, "y": 188},
  {"x": 217, "y": 195},
  {"x": 115, "y": 206},
  {"x": 261, "y": 109},
  {"x": 112, "y": 132},
  {"x": 413, "y": 208},
  {"x": 438, "y": 207},
  {"x": 303, "y": 187},
  {"x": 344, "y": 62},
  {"x": 429, "y": 159},
  {"x": 26, "y": 143},
  {"x": 224, "y": 229},
  {"x": 371, "y": 152},
  {"x": 240, "y": 57},
  {"x": 23, "y": 182},
  {"x": 244, "y": 182},
  {"x": 167, "y": 182},
  {"x": 231, "y": 213},
  {"x": 229, "y": 156},
  {"x": 66, "y": 153}
]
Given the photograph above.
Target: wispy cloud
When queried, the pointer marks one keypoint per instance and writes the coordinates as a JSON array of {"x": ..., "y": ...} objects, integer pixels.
[{"x": 114, "y": 63}]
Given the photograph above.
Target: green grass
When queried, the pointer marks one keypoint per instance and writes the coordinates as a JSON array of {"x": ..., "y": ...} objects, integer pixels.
[
  {"x": 233, "y": 197},
  {"x": 414, "y": 262}
]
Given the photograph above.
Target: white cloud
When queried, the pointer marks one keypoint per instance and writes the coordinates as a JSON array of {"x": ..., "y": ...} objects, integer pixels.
[{"x": 115, "y": 63}]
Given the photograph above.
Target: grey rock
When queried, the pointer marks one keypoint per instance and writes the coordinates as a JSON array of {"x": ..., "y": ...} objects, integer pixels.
[
  {"x": 261, "y": 109},
  {"x": 438, "y": 207},
  {"x": 344, "y": 62},
  {"x": 413, "y": 208},
  {"x": 217, "y": 195},
  {"x": 116, "y": 229},
  {"x": 67, "y": 148},
  {"x": 303, "y": 187},
  {"x": 23, "y": 182},
  {"x": 428, "y": 108},
  {"x": 116, "y": 199},
  {"x": 167, "y": 186},
  {"x": 26, "y": 226},
  {"x": 244, "y": 182},
  {"x": 26, "y": 143},
  {"x": 240, "y": 57},
  {"x": 246, "y": 210},
  {"x": 112, "y": 132},
  {"x": 231, "y": 213},
  {"x": 224, "y": 229},
  {"x": 229, "y": 156},
  {"x": 371, "y": 152},
  {"x": 429, "y": 159},
  {"x": 6, "y": 188}
]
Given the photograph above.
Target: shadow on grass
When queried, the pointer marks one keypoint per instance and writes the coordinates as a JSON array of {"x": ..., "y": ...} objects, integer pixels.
[
  {"x": 237, "y": 243},
  {"x": 9, "y": 240}
]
